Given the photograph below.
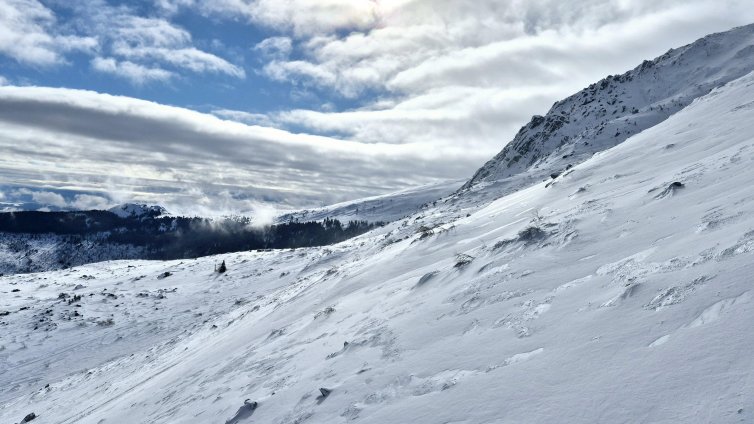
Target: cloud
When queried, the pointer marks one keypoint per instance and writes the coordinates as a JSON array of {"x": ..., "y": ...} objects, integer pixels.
[
  {"x": 171, "y": 7},
  {"x": 302, "y": 17},
  {"x": 47, "y": 198},
  {"x": 471, "y": 118},
  {"x": 244, "y": 117},
  {"x": 185, "y": 159},
  {"x": 86, "y": 202},
  {"x": 25, "y": 198},
  {"x": 275, "y": 47},
  {"x": 28, "y": 34},
  {"x": 141, "y": 31},
  {"x": 470, "y": 74},
  {"x": 423, "y": 45},
  {"x": 133, "y": 72},
  {"x": 189, "y": 58},
  {"x": 121, "y": 42},
  {"x": 153, "y": 40}
]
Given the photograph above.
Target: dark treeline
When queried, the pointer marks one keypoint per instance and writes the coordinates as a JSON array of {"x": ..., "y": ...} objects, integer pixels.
[{"x": 181, "y": 237}]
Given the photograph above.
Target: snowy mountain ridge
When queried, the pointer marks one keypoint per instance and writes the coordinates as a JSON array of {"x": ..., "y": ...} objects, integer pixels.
[
  {"x": 384, "y": 208},
  {"x": 132, "y": 210},
  {"x": 610, "y": 111}
]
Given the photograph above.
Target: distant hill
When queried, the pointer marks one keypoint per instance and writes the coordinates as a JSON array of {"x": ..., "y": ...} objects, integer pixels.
[
  {"x": 32, "y": 241},
  {"x": 385, "y": 208}
]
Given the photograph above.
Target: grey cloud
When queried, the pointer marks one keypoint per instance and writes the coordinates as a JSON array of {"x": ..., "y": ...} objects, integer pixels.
[
  {"x": 24, "y": 198},
  {"x": 150, "y": 152}
]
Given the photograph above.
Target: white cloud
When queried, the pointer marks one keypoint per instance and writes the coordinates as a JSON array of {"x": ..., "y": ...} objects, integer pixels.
[
  {"x": 28, "y": 34},
  {"x": 301, "y": 17},
  {"x": 139, "y": 31},
  {"x": 135, "y": 47},
  {"x": 90, "y": 202},
  {"x": 426, "y": 44},
  {"x": 157, "y": 41},
  {"x": 244, "y": 117},
  {"x": 137, "y": 74},
  {"x": 470, "y": 74},
  {"x": 188, "y": 58},
  {"x": 47, "y": 198},
  {"x": 275, "y": 47},
  {"x": 170, "y": 7},
  {"x": 154, "y": 44}
]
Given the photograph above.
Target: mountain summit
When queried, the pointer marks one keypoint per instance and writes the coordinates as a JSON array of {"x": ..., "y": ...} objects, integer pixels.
[
  {"x": 608, "y": 112},
  {"x": 136, "y": 210}
]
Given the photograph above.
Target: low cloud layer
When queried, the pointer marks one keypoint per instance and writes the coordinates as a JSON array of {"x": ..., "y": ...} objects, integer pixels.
[{"x": 137, "y": 150}]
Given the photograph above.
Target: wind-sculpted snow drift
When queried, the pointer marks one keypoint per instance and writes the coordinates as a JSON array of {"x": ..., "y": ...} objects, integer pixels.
[{"x": 618, "y": 291}]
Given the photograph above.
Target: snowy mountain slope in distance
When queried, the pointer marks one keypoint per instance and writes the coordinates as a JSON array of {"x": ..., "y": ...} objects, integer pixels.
[
  {"x": 130, "y": 210},
  {"x": 619, "y": 292},
  {"x": 35, "y": 241},
  {"x": 23, "y": 253},
  {"x": 384, "y": 208},
  {"x": 610, "y": 111}
]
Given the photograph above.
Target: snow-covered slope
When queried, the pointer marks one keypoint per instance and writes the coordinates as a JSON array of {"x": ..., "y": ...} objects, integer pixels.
[
  {"x": 619, "y": 292},
  {"x": 608, "y": 112},
  {"x": 130, "y": 210},
  {"x": 23, "y": 253},
  {"x": 385, "y": 208}
]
